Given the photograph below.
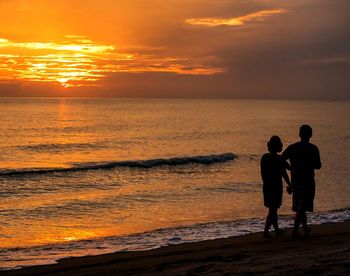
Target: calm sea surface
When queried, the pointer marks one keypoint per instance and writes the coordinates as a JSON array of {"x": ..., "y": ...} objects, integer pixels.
[{"x": 87, "y": 176}]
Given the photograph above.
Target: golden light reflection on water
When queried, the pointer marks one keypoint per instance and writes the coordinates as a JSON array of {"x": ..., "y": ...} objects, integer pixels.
[
  {"x": 78, "y": 61},
  {"x": 113, "y": 222}
]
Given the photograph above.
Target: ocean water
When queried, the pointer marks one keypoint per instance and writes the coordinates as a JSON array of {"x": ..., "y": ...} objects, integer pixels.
[{"x": 90, "y": 176}]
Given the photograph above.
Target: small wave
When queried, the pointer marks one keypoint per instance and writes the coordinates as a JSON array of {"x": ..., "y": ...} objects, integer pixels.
[
  {"x": 18, "y": 257},
  {"x": 58, "y": 147},
  {"x": 145, "y": 164}
]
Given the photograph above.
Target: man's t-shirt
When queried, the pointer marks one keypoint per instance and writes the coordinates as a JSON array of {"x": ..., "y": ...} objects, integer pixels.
[{"x": 304, "y": 158}]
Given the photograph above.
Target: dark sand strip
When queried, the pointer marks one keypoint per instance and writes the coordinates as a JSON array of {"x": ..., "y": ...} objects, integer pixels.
[{"x": 325, "y": 251}]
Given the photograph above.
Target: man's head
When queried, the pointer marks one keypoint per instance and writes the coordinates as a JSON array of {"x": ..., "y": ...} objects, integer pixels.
[{"x": 305, "y": 132}]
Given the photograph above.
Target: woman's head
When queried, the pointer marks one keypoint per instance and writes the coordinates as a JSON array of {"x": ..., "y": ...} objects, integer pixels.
[{"x": 275, "y": 144}]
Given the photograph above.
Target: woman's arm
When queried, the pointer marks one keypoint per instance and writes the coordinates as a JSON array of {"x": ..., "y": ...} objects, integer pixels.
[
  {"x": 262, "y": 168},
  {"x": 286, "y": 165},
  {"x": 286, "y": 178}
]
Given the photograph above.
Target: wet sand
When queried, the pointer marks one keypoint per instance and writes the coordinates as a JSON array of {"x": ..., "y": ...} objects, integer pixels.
[{"x": 325, "y": 251}]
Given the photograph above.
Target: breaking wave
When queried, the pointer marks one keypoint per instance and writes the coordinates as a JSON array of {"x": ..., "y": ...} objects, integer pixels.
[{"x": 146, "y": 164}]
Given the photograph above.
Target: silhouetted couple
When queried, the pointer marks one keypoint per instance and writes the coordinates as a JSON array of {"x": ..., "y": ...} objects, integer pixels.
[{"x": 304, "y": 158}]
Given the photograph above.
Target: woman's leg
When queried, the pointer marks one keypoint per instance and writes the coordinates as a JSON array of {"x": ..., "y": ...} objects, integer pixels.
[
  {"x": 275, "y": 219},
  {"x": 268, "y": 222},
  {"x": 278, "y": 231}
]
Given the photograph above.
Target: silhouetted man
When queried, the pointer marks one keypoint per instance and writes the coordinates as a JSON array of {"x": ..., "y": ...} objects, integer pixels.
[{"x": 304, "y": 158}]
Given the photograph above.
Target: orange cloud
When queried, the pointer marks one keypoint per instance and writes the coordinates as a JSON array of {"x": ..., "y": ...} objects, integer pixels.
[
  {"x": 235, "y": 21},
  {"x": 81, "y": 62}
]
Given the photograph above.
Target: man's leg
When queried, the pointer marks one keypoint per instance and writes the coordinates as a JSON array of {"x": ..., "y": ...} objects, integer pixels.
[
  {"x": 304, "y": 223},
  {"x": 297, "y": 220}
]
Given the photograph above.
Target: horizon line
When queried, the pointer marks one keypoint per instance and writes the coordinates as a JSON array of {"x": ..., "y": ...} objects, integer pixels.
[{"x": 175, "y": 98}]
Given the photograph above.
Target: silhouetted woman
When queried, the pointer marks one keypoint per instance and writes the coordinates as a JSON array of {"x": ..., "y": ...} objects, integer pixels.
[{"x": 273, "y": 169}]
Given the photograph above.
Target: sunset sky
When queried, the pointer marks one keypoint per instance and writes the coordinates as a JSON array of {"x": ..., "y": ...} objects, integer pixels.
[{"x": 175, "y": 48}]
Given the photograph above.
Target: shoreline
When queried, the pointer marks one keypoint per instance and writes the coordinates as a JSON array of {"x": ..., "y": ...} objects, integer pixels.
[{"x": 326, "y": 250}]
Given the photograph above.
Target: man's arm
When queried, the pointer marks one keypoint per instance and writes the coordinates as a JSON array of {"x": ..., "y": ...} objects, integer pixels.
[{"x": 317, "y": 164}]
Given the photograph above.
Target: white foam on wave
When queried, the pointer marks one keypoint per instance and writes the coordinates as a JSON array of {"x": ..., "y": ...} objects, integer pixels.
[{"x": 19, "y": 257}]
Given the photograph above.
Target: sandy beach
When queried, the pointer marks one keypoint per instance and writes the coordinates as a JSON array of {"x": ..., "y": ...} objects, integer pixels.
[{"x": 325, "y": 251}]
